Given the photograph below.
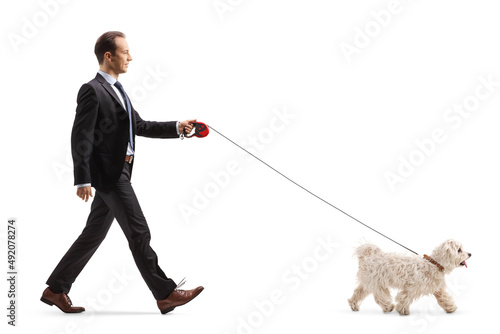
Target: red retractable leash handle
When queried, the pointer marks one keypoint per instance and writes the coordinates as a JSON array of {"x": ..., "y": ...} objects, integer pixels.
[{"x": 200, "y": 130}]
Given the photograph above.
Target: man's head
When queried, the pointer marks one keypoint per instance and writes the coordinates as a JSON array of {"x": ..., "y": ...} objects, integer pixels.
[{"x": 112, "y": 52}]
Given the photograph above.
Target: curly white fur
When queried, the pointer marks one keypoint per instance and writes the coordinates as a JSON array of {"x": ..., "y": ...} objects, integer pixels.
[{"x": 413, "y": 276}]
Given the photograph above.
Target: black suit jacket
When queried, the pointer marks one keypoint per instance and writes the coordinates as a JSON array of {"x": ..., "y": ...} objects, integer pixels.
[{"x": 101, "y": 134}]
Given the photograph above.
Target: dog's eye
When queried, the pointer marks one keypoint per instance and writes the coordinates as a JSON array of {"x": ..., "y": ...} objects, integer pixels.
[{"x": 460, "y": 250}]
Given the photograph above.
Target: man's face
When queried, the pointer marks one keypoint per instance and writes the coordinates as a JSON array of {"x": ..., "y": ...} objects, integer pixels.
[{"x": 119, "y": 61}]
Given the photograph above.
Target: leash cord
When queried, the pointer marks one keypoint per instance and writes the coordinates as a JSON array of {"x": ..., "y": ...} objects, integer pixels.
[{"x": 310, "y": 192}]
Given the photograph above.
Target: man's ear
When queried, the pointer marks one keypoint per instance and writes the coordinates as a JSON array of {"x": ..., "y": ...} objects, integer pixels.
[{"x": 107, "y": 55}]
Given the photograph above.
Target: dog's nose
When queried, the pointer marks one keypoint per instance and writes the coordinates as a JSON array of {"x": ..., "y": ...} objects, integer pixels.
[{"x": 470, "y": 254}]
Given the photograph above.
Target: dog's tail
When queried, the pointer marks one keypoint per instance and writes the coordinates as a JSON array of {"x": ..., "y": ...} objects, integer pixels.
[{"x": 366, "y": 250}]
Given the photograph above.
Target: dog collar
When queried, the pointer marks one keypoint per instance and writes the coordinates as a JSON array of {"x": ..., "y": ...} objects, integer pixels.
[{"x": 431, "y": 260}]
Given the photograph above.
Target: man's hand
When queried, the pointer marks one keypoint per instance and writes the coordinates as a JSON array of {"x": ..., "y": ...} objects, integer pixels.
[
  {"x": 186, "y": 126},
  {"x": 84, "y": 193}
]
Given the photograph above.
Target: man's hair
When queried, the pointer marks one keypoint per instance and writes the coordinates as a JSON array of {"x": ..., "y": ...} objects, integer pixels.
[{"x": 106, "y": 43}]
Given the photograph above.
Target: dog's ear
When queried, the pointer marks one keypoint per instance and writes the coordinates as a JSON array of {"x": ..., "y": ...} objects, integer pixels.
[
  {"x": 452, "y": 245},
  {"x": 449, "y": 245},
  {"x": 445, "y": 250}
]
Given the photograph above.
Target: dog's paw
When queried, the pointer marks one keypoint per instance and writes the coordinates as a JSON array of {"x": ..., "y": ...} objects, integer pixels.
[
  {"x": 354, "y": 306},
  {"x": 451, "y": 309},
  {"x": 402, "y": 310},
  {"x": 388, "y": 308}
]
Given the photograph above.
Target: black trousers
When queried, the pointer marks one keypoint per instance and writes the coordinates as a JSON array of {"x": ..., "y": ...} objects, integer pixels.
[{"x": 121, "y": 203}]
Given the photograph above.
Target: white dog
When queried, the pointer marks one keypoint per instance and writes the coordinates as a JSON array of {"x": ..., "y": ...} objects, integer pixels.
[{"x": 413, "y": 276}]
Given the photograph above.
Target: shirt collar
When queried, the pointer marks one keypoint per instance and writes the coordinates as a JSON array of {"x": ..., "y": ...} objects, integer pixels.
[{"x": 110, "y": 79}]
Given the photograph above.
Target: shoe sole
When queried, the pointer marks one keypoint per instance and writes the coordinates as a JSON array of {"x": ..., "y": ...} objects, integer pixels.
[
  {"x": 170, "y": 309},
  {"x": 48, "y": 302}
]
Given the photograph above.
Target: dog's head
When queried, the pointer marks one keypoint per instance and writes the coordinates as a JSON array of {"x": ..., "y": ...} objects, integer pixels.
[{"x": 451, "y": 255}]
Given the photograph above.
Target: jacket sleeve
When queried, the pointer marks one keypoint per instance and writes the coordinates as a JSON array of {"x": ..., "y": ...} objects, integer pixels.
[
  {"x": 82, "y": 135},
  {"x": 155, "y": 129}
]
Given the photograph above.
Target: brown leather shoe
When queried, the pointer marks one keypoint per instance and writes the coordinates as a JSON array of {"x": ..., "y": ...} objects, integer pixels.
[
  {"x": 177, "y": 298},
  {"x": 60, "y": 300}
]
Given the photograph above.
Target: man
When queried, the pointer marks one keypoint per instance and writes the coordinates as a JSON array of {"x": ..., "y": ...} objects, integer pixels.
[{"x": 103, "y": 149}]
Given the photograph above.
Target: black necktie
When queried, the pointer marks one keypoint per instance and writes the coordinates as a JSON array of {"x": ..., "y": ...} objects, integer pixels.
[{"x": 129, "y": 110}]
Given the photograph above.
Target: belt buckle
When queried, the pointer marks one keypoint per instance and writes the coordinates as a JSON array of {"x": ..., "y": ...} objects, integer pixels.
[{"x": 130, "y": 158}]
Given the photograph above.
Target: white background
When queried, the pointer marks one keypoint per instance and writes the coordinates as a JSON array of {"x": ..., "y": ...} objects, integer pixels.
[{"x": 349, "y": 124}]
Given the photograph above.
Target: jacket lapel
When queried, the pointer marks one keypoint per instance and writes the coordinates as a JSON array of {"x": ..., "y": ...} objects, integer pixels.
[
  {"x": 109, "y": 89},
  {"x": 112, "y": 92}
]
